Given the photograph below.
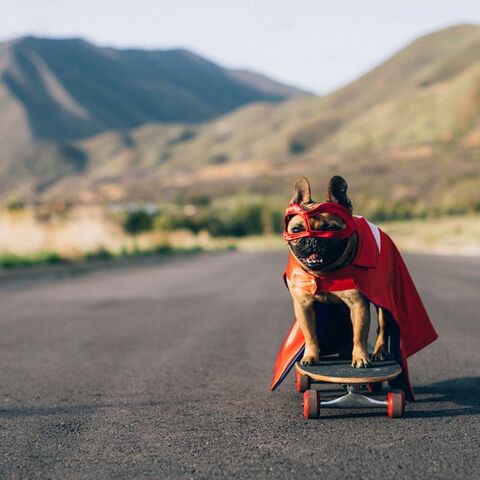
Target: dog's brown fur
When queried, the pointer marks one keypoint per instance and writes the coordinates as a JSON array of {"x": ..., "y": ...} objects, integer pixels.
[{"x": 358, "y": 304}]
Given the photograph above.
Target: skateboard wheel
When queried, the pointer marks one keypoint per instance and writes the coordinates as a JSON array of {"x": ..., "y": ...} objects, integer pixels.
[
  {"x": 375, "y": 387},
  {"x": 396, "y": 403},
  {"x": 302, "y": 382},
  {"x": 311, "y": 404}
]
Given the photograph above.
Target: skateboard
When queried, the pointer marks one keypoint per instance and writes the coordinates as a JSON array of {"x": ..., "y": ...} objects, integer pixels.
[{"x": 340, "y": 372}]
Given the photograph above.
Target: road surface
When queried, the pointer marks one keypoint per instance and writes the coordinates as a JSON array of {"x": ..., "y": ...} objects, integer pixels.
[{"x": 162, "y": 371}]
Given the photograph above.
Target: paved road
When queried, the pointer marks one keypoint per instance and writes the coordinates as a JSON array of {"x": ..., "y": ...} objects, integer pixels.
[{"x": 162, "y": 371}]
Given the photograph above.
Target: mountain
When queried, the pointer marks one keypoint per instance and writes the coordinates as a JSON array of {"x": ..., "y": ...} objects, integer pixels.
[
  {"x": 406, "y": 135},
  {"x": 71, "y": 89},
  {"x": 264, "y": 84}
]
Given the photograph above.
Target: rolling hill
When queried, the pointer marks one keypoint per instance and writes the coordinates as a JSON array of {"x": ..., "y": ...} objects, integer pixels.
[
  {"x": 71, "y": 89},
  {"x": 405, "y": 134}
]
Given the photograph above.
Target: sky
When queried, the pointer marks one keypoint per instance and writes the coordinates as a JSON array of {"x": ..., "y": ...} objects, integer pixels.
[{"x": 318, "y": 45}]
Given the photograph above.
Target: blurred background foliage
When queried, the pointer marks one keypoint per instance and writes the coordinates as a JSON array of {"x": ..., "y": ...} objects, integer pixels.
[
  {"x": 244, "y": 217},
  {"x": 234, "y": 219}
]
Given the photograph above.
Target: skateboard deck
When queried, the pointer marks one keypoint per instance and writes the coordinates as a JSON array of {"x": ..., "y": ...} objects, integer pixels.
[{"x": 340, "y": 371}]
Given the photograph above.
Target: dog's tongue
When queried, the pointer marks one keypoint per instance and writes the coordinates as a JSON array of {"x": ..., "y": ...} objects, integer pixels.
[{"x": 315, "y": 257}]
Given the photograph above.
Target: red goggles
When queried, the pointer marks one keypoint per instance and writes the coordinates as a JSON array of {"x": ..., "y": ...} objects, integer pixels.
[{"x": 325, "y": 207}]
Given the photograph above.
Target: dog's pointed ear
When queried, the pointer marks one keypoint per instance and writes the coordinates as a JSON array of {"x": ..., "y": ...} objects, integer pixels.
[
  {"x": 337, "y": 192},
  {"x": 301, "y": 191}
]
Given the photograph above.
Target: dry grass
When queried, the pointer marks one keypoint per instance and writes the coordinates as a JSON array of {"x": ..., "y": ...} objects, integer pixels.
[
  {"x": 85, "y": 232},
  {"x": 457, "y": 235},
  {"x": 82, "y": 231},
  {"x": 89, "y": 232}
]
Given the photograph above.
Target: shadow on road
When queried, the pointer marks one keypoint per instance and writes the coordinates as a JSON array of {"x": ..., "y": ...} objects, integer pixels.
[{"x": 460, "y": 391}]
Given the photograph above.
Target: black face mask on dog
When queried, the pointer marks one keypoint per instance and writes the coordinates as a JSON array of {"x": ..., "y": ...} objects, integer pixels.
[{"x": 318, "y": 253}]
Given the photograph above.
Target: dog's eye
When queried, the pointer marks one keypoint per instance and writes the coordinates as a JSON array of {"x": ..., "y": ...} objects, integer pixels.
[
  {"x": 297, "y": 229},
  {"x": 330, "y": 227}
]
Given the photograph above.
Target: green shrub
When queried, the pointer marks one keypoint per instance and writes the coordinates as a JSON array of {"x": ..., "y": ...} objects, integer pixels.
[
  {"x": 200, "y": 200},
  {"x": 219, "y": 159},
  {"x": 183, "y": 136},
  {"x": 165, "y": 248},
  {"x": 11, "y": 260},
  {"x": 138, "y": 221},
  {"x": 163, "y": 222},
  {"x": 240, "y": 220},
  {"x": 15, "y": 205},
  {"x": 100, "y": 254},
  {"x": 297, "y": 147}
]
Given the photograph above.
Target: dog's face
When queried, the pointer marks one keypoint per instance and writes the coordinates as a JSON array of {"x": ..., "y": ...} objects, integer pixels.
[{"x": 318, "y": 254}]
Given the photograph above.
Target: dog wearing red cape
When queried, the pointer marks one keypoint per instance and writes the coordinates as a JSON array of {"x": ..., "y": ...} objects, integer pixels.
[{"x": 339, "y": 264}]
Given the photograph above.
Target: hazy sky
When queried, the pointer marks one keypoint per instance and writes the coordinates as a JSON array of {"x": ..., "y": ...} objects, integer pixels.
[{"x": 315, "y": 44}]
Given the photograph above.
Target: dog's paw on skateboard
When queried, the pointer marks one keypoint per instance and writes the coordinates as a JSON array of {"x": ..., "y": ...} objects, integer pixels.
[
  {"x": 379, "y": 355},
  {"x": 361, "y": 360},
  {"x": 310, "y": 358}
]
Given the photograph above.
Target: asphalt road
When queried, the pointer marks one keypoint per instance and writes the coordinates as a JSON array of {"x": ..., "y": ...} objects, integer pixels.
[{"x": 162, "y": 371}]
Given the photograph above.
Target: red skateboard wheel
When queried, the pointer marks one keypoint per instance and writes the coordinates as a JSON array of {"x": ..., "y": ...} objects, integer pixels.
[
  {"x": 302, "y": 382},
  {"x": 396, "y": 403},
  {"x": 311, "y": 404}
]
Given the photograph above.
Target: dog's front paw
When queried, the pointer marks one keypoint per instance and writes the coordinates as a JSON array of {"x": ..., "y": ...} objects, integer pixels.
[
  {"x": 360, "y": 360},
  {"x": 380, "y": 354},
  {"x": 309, "y": 360},
  {"x": 310, "y": 357}
]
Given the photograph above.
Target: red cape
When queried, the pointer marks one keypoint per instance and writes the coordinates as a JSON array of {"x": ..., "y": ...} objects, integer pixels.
[{"x": 379, "y": 273}]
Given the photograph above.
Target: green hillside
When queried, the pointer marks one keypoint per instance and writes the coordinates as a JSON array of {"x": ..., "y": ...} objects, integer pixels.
[{"x": 406, "y": 135}]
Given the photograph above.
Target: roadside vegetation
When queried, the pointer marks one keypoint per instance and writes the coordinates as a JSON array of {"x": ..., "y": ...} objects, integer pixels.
[
  {"x": 56, "y": 234},
  {"x": 247, "y": 218},
  {"x": 9, "y": 261}
]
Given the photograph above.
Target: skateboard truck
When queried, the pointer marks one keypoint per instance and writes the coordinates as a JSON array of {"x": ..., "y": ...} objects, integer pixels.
[{"x": 353, "y": 399}]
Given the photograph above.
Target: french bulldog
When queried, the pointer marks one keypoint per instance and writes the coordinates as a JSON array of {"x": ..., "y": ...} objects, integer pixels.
[{"x": 321, "y": 255}]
